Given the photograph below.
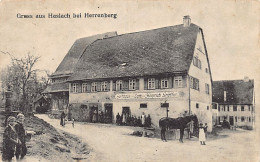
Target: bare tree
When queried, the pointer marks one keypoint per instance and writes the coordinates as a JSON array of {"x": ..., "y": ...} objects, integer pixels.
[{"x": 19, "y": 75}]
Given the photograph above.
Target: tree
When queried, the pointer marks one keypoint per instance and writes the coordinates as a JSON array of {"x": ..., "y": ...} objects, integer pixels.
[{"x": 21, "y": 76}]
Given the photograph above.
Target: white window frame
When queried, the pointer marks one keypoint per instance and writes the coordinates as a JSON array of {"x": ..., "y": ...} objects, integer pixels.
[
  {"x": 119, "y": 85},
  {"x": 75, "y": 87},
  {"x": 225, "y": 95},
  {"x": 104, "y": 86},
  {"x": 132, "y": 84},
  {"x": 178, "y": 81},
  {"x": 164, "y": 83},
  {"x": 151, "y": 83},
  {"x": 94, "y": 87},
  {"x": 84, "y": 87}
]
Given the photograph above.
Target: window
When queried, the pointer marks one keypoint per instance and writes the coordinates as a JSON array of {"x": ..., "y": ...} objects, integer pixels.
[
  {"x": 132, "y": 84},
  {"x": 178, "y": 81},
  {"x": 151, "y": 83},
  {"x": 234, "y": 108},
  {"x": 197, "y": 62},
  {"x": 197, "y": 105},
  {"x": 225, "y": 95},
  {"x": 249, "y": 119},
  {"x": 143, "y": 105},
  {"x": 207, "y": 88},
  {"x": 242, "y": 118},
  {"x": 104, "y": 86},
  {"x": 94, "y": 87},
  {"x": 242, "y": 108},
  {"x": 235, "y": 118},
  {"x": 194, "y": 83},
  {"x": 84, "y": 87},
  {"x": 248, "y": 107},
  {"x": 164, "y": 83},
  {"x": 75, "y": 87},
  {"x": 119, "y": 85},
  {"x": 227, "y": 107},
  {"x": 218, "y": 108},
  {"x": 207, "y": 70},
  {"x": 207, "y": 107}
]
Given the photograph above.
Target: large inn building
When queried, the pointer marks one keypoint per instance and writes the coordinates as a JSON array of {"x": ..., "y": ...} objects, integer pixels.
[{"x": 143, "y": 72}]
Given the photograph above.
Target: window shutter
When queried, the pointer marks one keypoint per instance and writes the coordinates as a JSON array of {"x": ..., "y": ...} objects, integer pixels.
[
  {"x": 157, "y": 83},
  {"x": 137, "y": 84},
  {"x": 108, "y": 85},
  {"x": 71, "y": 87},
  {"x": 98, "y": 86},
  {"x": 184, "y": 81},
  {"x": 79, "y": 85},
  {"x": 114, "y": 85},
  {"x": 88, "y": 87},
  {"x": 125, "y": 85},
  {"x": 170, "y": 82},
  {"x": 145, "y": 83}
]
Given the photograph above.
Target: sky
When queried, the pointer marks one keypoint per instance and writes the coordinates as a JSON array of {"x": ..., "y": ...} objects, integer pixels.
[{"x": 231, "y": 29}]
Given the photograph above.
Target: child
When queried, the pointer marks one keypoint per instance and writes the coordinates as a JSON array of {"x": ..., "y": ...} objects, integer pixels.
[
  {"x": 10, "y": 140},
  {"x": 202, "y": 138},
  {"x": 21, "y": 150}
]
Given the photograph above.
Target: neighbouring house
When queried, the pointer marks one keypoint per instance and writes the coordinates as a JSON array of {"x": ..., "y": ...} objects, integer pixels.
[
  {"x": 236, "y": 101},
  {"x": 144, "y": 72},
  {"x": 59, "y": 88},
  {"x": 41, "y": 104}
]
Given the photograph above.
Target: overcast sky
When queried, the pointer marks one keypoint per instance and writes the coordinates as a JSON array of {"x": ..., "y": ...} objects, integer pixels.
[{"x": 231, "y": 29}]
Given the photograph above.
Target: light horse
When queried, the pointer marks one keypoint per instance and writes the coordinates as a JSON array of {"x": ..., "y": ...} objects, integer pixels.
[{"x": 176, "y": 123}]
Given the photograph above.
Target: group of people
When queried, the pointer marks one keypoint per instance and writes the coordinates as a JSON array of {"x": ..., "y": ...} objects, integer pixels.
[
  {"x": 14, "y": 138},
  {"x": 128, "y": 120},
  {"x": 101, "y": 117}
]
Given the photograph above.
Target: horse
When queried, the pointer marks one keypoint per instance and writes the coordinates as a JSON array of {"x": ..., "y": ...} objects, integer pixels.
[{"x": 176, "y": 123}]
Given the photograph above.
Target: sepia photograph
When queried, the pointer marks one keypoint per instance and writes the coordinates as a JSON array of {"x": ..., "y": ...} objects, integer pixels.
[{"x": 123, "y": 81}]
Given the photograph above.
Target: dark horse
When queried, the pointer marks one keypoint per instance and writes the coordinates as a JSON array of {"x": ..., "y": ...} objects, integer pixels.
[{"x": 176, "y": 123}]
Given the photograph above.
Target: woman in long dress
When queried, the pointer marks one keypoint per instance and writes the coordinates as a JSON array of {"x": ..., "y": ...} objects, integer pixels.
[{"x": 202, "y": 138}]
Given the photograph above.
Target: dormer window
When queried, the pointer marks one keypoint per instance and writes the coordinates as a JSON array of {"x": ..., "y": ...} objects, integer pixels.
[
  {"x": 151, "y": 83},
  {"x": 132, "y": 84},
  {"x": 119, "y": 85},
  {"x": 94, "y": 87},
  {"x": 164, "y": 83}
]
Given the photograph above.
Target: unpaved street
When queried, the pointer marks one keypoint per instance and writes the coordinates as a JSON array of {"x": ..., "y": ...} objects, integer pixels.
[{"x": 113, "y": 143}]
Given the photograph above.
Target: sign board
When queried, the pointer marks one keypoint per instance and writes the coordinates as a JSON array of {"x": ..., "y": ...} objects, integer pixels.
[{"x": 154, "y": 95}]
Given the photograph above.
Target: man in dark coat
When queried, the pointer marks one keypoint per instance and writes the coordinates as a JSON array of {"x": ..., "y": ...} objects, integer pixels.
[
  {"x": 21, "y": 149},
  {"x": 62, "y": 118}
]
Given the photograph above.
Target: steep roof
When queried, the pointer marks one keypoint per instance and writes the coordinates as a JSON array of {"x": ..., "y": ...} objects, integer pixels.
[
  {"x": 237, "y": 91},
  {"x": 70, "y": 60},
  {"x": 163, "y": 50},
  {"x": 57, "y": 87}
]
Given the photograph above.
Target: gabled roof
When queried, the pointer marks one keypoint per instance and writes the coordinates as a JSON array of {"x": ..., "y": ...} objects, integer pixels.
[
  {"x": 164, "y": 50},
  {"x": 237, "y": 91},
  {"x": 70, "y": 60}
]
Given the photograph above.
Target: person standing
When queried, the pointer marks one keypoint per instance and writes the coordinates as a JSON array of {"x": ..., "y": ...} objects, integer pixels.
[
  {"x": 143, "y": 119},
  {"x": 202, "y": 138},
  {"x": 10, "y": 140},
  {"x": 21, "y": 150},
  {"x": 94, "y": 116},
  {"x": 62, "y": 117}
]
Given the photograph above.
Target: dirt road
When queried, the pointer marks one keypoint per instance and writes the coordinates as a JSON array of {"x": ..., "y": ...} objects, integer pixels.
[{"x": 113, "y": 143}]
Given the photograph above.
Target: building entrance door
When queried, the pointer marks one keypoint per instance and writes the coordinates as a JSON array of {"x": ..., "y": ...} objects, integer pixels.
[
  {"x": 231, "y": 120},
  {"x": 125, "y": 114},
  {"x": 93, "y": 113},
  {"x": 108, "y": 113}
]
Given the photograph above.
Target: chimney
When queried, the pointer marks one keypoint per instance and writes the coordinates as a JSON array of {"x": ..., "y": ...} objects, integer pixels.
[
  {"x": 186, "y": 21},
  {"x": 246, "y": 79}
]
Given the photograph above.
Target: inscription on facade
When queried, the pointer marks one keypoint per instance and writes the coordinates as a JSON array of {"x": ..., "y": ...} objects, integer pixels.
[{"x": 147, "y": 95}]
